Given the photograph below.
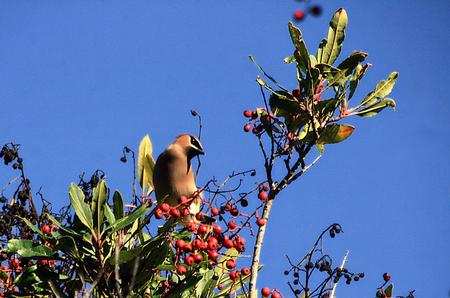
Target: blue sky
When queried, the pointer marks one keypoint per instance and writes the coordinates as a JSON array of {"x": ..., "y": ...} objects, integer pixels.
[{"x": 81, "y": 79}]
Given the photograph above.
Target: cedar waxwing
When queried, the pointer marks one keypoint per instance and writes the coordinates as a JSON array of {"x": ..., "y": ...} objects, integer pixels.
[{"x": 173, "y": 176}]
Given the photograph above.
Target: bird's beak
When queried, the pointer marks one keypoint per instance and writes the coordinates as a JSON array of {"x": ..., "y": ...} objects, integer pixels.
[{"x": 201, "y": 152}]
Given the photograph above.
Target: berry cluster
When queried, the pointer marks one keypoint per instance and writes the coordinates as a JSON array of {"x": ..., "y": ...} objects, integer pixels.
[
  {"x": 266, "y": 292},
  {"x": 317, "y": 260},
  {"x": 300, "y": 14}
]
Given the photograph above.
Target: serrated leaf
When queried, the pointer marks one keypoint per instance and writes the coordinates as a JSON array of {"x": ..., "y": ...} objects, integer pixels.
[
  {"x": 29, "y": 249},
  {"x": 117, "y": 205},
  {"x": 81, "y": 209},
  {"x": 382, "y": 89},
  {"x": 145, "y": 164},
  {"x": 335, "y": 133},
  {"x": 376, "y": 108},
  {"x": 336, "y": 35}
]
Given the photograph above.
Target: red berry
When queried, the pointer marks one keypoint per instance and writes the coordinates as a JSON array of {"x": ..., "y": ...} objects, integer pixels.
[
  {"x": 164, "y": 207},
  {"x": 159, "y": 213},
  {"x": 46, "y": 229},
  {"x": 245, "y": 271},
  {"x": 228, "y": 243},
  {"x": 386, "y": 277},
  {"x": 175, "y": 213},
  {"x": 228, "y": 207},
  {"x": 263, "y": 196},
  {"x": 213, "y": 254},
  {"x": 217, "y": 229},
  {"x": 180, "y": 244},
  {"x": 234, "y": 212},
  {"x": 248, "y": 113},
  {"x": 213, "y": 243},
  {"x": 299, "y": 15},
  {"x": 202, "y": 229},
  {"x": 260, "y": 222},
  {"x": 234, "y": 275},
  {"x": 43, "y": 262},
  {"x": 185, "y": 212},
  {"x": 198, "y": 258},
  {"x": 230, "y": 264},
  {"x": 232, "y": 225},
  {"x": 265, "y": 187},
  {"x": 199, "y": 216},
  {"x": 266, "y": 292},
  {"x": 275, "y": 295},
  {"x": 247, "y": 127},
  {"x": 189, "y": 260},
  {"x": 181, "y": 270},
  {"x": 197, "y": 244},
  {"x": 191, "y": 226},
  {"x": 182, "y": 200},
  {"x": 187, "y": 247},
  {"x": 214, "y": 211}
]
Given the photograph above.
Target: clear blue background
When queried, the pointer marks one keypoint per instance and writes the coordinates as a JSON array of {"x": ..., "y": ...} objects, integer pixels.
[{"x": 81, "y": 79}]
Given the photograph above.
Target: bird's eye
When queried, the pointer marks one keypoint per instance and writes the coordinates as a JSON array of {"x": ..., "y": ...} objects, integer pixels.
[{"x": 195, "y": 143}]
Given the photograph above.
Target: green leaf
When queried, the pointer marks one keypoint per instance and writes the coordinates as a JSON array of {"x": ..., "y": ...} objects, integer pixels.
[
  {"x": 289, "y": 60},
  {"x": 266, "y": 74},
  {"x": 28, "y": 249},
  {"x": 130, "y": 219},
  {"x": 32, "y": 227},
  {"x": 351, "y": 62},
  {"x": 336, "y": 35},
  {"x": 67, "y": 245},
  {"x": 109, "y": 214},
  {"x": 389, "y": 291},
  {"x": 358, "y": 74},
  {"x": 382, "y": 89},
  {"x": 301, "y": 54},
  {"x": 118, "y": 205},
  {"x": 335, "y": 133},
  {"x": 81, "y": 209},
  {"x": 146, "y": 164},
  {"x": 320, "y": 50},
  {"x": 376, "y": 108},
  {"x": 99, "y": 199}
]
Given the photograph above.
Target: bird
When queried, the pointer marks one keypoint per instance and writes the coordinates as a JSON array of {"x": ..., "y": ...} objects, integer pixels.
[{"x": 173, "y": 176}]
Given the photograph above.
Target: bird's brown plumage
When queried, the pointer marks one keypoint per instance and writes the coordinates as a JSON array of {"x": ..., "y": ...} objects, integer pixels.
[{"x": 173, "y": 176}]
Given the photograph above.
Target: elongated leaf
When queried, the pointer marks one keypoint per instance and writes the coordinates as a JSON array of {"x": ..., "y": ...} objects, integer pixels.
[
  {"x": 376, "y": 108},
  {"x": 109, "y": 214},
  {"x": 99, "y": 199},
  {"x": 266, "y": 74},
  {"x": 382, "y": 89},
  {"x": 28, "y": 249},
  {"x": 81, "y": 209},
  {"x": 335, "y": 133},
  {"x": 130, "y": 219},
  {"x": 145, "y": 163},
  {"x": 301, "y": 54},
  {"x": 32, "y": 227},
  {"x": 67, "y": 245},
  {"x": 320, "y": 50},
  {"x": 352, "y": 61},
  {"x": 358, "y": 74},
  {"x": 336, "y": 35},
  {"x": 118, "y": 205}
]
